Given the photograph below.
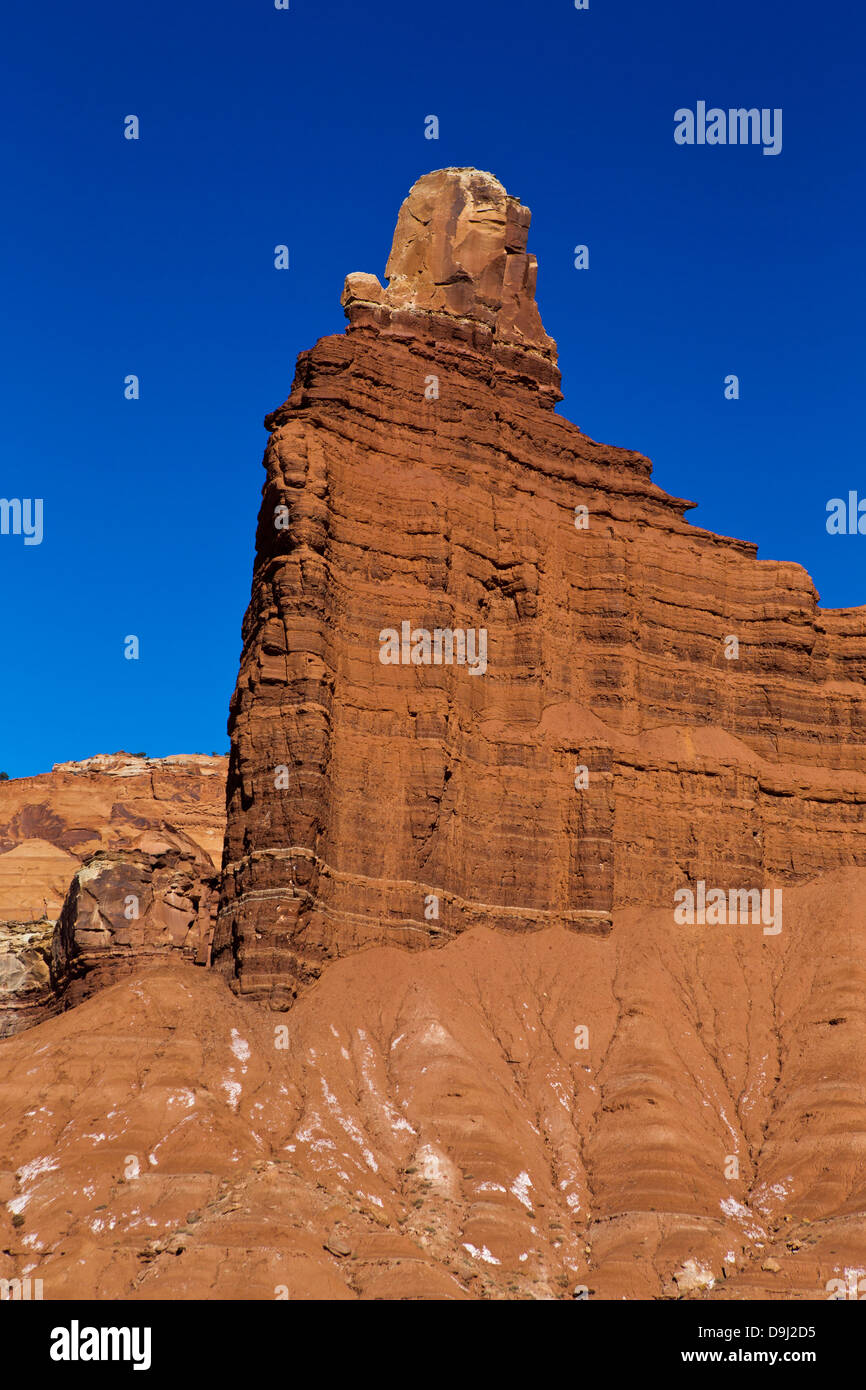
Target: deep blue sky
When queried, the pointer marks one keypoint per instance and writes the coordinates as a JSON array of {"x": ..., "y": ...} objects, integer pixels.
[{"x": 306, "y": 127}]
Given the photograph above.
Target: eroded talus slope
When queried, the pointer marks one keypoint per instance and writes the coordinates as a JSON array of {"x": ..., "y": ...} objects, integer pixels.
[
  {"x": 430, "y": 1128},
  {"x": 417, "y": 474}
]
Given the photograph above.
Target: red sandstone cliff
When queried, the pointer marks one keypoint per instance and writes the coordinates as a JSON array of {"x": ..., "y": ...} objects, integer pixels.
[{"x": 418, "y": 474}]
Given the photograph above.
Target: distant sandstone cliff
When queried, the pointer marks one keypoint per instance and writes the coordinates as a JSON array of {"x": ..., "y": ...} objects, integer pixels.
[{"x": 117, "y": 810}]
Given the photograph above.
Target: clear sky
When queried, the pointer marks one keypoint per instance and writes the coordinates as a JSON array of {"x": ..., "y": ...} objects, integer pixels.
[{"x": 306, "y": 127}]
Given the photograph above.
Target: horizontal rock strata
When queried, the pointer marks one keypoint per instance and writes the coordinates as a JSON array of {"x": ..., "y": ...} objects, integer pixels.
[{"x": 418, "y": 474}]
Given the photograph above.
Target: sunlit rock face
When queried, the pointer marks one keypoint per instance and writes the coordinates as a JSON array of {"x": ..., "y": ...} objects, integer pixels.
[{"x": 640, "y": 704}]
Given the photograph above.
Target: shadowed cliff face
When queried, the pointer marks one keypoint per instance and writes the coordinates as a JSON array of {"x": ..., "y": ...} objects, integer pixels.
[{"x": 491, "y": 676}]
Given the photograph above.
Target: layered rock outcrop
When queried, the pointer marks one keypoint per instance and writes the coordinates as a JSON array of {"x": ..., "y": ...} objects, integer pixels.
[{"x": 656, "y": 705}]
